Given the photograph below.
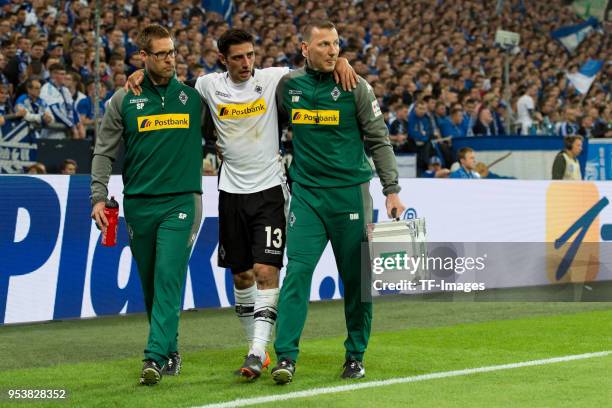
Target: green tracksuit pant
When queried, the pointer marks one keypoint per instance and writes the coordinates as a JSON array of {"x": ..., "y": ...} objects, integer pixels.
[
  {"x": 316, "y": 216},
  {"x": 162, "y": 230}
]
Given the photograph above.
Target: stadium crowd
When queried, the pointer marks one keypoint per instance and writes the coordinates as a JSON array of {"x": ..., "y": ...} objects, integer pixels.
[{"x": 433, "y": 65}]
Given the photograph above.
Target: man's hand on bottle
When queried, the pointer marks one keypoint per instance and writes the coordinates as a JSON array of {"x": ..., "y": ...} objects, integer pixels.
[{"x": 97, "y": 214}]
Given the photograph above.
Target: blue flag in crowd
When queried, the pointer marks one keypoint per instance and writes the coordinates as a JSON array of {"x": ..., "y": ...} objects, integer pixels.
[
  {"x": 572, "y": 36},
  {"x": 223, "y": 7},
  {"x": 583, "y": 79}
]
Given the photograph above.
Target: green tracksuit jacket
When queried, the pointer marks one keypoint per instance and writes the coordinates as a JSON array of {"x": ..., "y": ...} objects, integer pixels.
[
  {"x": 162, "y": 133},
  {"x": 330, "y": 196}
]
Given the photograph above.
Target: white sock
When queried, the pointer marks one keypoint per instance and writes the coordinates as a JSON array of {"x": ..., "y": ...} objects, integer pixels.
[
  {"x": 265, "y": 318},
  {"x": 245, "y": 308}
]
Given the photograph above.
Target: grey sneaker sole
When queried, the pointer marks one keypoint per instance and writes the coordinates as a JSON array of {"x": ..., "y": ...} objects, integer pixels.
[
  {"x": 355, "y": 376},
  {"x": 282, "y": 376},
  {"x": 150, "y": 376}
]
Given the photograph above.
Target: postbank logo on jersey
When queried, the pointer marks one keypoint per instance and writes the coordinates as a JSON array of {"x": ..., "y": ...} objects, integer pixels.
[
  {"x": 241, "y": 110},
  {"x": 159, "y": 122},
  {"x": 315, "y": 117}
]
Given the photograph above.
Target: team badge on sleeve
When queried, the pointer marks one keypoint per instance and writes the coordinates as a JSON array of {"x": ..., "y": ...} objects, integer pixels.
[{"x": 376, "y": 108}]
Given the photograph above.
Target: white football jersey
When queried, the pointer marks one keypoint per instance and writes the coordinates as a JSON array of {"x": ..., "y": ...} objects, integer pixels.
[{"x": 246, "y": 121}]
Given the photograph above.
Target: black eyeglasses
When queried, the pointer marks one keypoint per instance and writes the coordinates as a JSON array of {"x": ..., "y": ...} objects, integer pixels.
[{"x": 162, "y": 55}]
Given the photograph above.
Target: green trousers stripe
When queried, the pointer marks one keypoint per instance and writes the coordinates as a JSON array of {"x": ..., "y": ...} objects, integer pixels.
[
  {"x": 162, "y": 231},
  {"x": 316, "y": 216}
]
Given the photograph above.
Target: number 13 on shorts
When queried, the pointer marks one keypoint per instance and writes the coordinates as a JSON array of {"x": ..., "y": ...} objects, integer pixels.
[{"x": 274, "y": 237}]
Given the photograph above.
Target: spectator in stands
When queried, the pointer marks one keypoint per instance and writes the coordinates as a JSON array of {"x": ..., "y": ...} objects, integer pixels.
[
  {"x": 210, "y": 62},
  {"x": 497, "y": 109},
  {"x": 34, "y": 110},
  {"x": 119, "y": 79},
  {"x": 73, "y": 82},
  {"x": 68, "y": 167},
  {"x": 435, "y": 170},
  {"x": 420, "y": 131},
  {"x": 568, "y": 126},
  {"x": 430, "y": 101},
  {"x": 3, "y": 79},
  {"x": 66, "y": 122},
  {"x": 566, "y": 165},
  {"x": 134, "y": 62},
  {"x": 37, "y": 168},
  {"x": 116, "y": 65},
  {"x": 56, "y": 50},
  {"x": 526, "y": 111},
  {"x": 11, "y": 70},
  {"x": 586, "y": 127},
  {"x": 37, "y": 51},
  {"x": 439, "y": 116},
  {"x": 7, "y": 114},
  {"x": 5, "y": 30},
  {"x": 603, "y": 125},
  {"x": 485, "y": 124},
  {"x": 467, "y": 162},
  {"x": 85, "y": 107},
  {"x": 77, "y": 58},
  {"x": 398, "y": 130},
  {"x": 115, "y": 42},
  {"x": 452, "y": 126},
  {"x": 470, "y": 116},
  {"x": 196, "y": 71},
  {"x": 182, "y": 71}
]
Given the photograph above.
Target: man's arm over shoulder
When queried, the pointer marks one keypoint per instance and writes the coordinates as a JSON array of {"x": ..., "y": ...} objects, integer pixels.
[
  {"x": 107, "y": 146},
  {"x": 376, "y": 134},
  {"x": 202, "y": 83},
  {"x": 283, "y": 114},
  {"x": 208, "y": 126}
]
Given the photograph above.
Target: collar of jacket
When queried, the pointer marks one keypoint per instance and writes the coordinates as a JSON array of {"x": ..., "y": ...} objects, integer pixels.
[
  {"x": 317, "y": 74},
  {"x": 173, "y": 83}
]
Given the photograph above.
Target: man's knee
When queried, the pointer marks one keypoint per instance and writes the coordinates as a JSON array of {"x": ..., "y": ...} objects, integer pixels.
[
  {"x": 244, "y": 280},
  {"x": 266, "y": 276}
]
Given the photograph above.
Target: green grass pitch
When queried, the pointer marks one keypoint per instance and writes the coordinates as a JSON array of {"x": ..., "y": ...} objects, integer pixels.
[{"x": 98, "y": 361}]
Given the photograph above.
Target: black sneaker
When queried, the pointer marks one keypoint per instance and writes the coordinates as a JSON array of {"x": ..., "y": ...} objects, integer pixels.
[
  {"x": 283, "y": 372},
  {"x": 353, "y": 369},
  {"x": 151, "y": 373},
  {"x": 173, "y": 367},
  {"x": 253, "y": 366}
]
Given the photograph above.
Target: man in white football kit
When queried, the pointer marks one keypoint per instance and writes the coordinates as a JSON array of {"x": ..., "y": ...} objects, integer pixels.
[
  {"x": 252, "y": 185},
  {"x": 252, "y": 188}
]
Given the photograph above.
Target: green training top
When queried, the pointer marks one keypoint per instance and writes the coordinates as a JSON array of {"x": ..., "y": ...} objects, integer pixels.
[
  {"x": 329, "y": 129},
  {"x": 162, "y": 132}
]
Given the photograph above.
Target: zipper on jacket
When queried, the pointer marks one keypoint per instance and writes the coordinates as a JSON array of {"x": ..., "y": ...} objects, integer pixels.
[
  {"x": 315, "y": 98},
  {"x": 163, "y": 97}
]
